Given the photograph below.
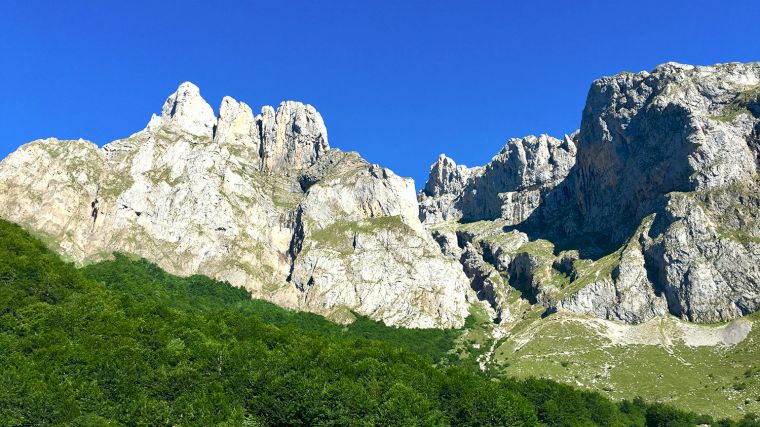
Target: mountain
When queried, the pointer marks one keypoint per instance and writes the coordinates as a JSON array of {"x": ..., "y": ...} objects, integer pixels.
[
  {"x": 622, "y": 257},
  {"x": 260, "y": 201},
  {"x": 650, "y": 208}
]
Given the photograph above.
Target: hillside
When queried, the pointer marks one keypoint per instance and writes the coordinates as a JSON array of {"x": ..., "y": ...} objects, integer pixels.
[{"x": 123, "y": 343}]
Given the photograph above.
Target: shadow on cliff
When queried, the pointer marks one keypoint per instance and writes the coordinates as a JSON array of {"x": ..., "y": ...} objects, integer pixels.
[{"x": 624, "y": 169}]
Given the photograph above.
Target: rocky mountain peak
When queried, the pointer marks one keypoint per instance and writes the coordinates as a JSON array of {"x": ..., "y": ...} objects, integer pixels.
[
  {"x": 509, "y": 187},
  {"x": 651, "y": 207},
  {"x": 267, "y": 206},
  {"x": 293, "y": 137},
  {"x": 446, "y": 177},
  {"x": 186, "y": 111},
  {"x": 281, "y": 142}
]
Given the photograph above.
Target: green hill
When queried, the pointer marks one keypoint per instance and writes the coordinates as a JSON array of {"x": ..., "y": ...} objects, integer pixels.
[{"x": 123, "y": 343}]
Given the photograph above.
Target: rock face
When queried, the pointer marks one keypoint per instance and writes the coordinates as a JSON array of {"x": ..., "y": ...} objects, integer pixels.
[
  {"x": 664, "y": 167},
  {"x": 510, "y": 187},
  {"x": 663, "y": 144},
  {"x": 651, "y": 207},
  {"x": 626, "y": 294},
  {"x": 679, "y": 128},
  {"x": 260, "y": 201}
]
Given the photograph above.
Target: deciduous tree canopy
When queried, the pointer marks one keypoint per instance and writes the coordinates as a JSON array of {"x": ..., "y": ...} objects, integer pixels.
[{"x": 123, "y": 343}]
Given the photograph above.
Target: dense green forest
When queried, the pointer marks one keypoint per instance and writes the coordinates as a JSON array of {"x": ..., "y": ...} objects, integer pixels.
[{"x": 123, "y": 343}]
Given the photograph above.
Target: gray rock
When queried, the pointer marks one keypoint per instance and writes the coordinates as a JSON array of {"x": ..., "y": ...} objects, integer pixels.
[
  {"x": 260, "y": 201},
  {"x": 626, "y": 294},
  {"x": 655, "y": 143},
  {"x": 679, "y": 145},
  {"x": 510, "y": 187},
  {"x": 708, "y": 268}
]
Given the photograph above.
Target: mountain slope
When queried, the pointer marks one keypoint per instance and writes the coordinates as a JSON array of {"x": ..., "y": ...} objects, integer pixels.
[
  {"x": 76, "y": 352},
  {"x": 260, "y": 201},
  {"x": 650, "y": 208}
]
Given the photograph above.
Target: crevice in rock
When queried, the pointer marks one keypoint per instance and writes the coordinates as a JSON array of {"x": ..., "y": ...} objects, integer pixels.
[
  {"x": 440, "y": 239},
  {"x": 296, "y": 242},
  {"x": 654, "y": 265},
  {"x": 94, "y": 212},
  {"x": 306, "y": 181},
  {"x": 754, "y": 143},
  {"x": 490, "y": 257},
  {"x": 521, "y": 272},
  {"x": 480, "y": 273},
  {"x": 95, "y": 206},
  {"x": 564, "y": 264},
  {"x": 262, "y": 153},
  {"x": 549, "y": 311}
]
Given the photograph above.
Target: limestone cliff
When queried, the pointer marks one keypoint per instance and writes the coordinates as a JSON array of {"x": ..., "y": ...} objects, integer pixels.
[
  {"x": 652, "y": 207},
  {"x": 261, "y": 201}
]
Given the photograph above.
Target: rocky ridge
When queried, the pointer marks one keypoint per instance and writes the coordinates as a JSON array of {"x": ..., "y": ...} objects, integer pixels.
[
  {"x": 650, "y": 208},
  {"x": 260, "y": 201},
  {"x": 510, "y": 187}
]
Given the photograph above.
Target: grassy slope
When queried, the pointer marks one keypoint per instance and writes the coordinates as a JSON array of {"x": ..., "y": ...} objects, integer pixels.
[
  {"x": 720, "y": 380},
  {"x": 712, "y": 380}
]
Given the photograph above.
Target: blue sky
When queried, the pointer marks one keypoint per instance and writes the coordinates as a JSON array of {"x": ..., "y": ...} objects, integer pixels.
[{"x": 398, "y": 81}]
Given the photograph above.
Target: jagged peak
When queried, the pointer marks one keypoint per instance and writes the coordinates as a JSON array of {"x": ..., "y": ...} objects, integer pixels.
[
  {"x": 568, "y": 143},
  {"x": 443, "y": 159},
  {"x": 236, "y": 121},
  {"x": 304, "y": 118},
  {"x": 525, "y": 143},
  {"x": 446, "y": 176},
  {"x": 187, "y": 111},
  {"x": 672, "y": 65}
]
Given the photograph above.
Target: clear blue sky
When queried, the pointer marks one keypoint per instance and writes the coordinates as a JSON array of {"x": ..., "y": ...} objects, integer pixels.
[{"x": 398, "y": 81}]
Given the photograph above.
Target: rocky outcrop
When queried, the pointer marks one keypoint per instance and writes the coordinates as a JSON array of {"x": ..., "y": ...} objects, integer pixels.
[
  {"x": 510, "y": 187},
  {"x": 650, "y": 208},
  {"x": 185, "y": 109},
  {"x": 486, "y": 282},
  {"x": 446, "y": 182},
  {"x": 678, "y": 128},
  {"x": 260, "y": 201},
  {"x": 625, "y": 294},
  {"x": 661, "y": 176},
  {"x": 655, "y": 143},
  {"x": 705, "y": 263}
]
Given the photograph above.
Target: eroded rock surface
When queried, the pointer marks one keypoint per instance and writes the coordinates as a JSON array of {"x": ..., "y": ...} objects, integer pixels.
[
  {"x": 510, "y": 187},
  {"x": 657, "y": 192},
  {"x": 650, "y": 208},
  {"x": 261, "y": 201}
]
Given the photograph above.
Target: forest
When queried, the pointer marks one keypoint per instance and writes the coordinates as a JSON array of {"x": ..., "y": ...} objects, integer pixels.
[{"x": 122, "y": 343}]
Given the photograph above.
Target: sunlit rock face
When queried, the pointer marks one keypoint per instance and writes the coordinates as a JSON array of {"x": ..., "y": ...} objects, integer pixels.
[
  {"x": 651, "y": 208},
  {"x": 261, "y": 201},
  {"x": 662, "y": 172}
]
